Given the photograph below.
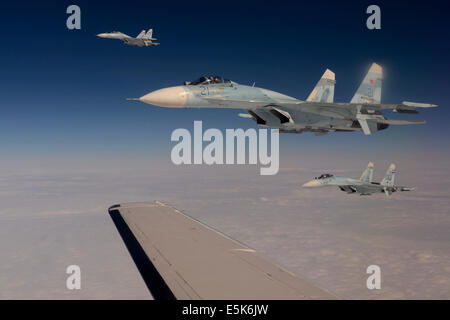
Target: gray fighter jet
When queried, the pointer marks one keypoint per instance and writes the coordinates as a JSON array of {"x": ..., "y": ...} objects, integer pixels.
[
  {"x": 317, "y": 114},
  {"x": 144, "y": 39},
  {"x": 364, "y": 186}
]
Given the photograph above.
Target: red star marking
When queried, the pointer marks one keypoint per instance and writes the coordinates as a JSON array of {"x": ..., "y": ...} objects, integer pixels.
[{"x": 371, "y": 81}]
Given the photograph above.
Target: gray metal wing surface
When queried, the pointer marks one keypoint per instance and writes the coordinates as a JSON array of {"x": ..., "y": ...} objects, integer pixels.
[{"x": 185, "y": 259}]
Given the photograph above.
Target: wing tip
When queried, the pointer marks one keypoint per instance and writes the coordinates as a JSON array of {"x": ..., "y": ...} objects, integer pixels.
[{"x": 114, "y": 206}]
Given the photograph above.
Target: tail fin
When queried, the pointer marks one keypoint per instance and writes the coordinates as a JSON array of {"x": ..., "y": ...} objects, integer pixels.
[
  {"x": 370, "y": 89},
  {"x": 141, "y": 35},
  {"x": 324, "y": 89},
  {"x": 149, "y": 35},
  {"x": 368, "y": 173},
  {"x": 389, "y": 178}
]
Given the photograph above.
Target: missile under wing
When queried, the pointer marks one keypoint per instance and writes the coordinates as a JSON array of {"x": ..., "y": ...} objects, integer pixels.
[{"x": 181, "y": 258}]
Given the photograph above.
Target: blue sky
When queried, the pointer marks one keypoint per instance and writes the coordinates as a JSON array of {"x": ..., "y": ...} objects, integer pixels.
[{"x": 63, "y": 92}]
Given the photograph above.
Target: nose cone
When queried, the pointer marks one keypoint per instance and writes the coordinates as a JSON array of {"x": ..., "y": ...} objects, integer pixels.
[
  {"x": 103, "y": 35},
  {"x": 174, "y": 97},
  {"x": 311, "y": 184}
]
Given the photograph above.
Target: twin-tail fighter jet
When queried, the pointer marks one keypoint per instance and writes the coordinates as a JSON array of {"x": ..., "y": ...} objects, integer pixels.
[
  {"x": 364, "y": 185},
  {"x": 144, "y": 39},
  {"x": 318, "y": 113}
]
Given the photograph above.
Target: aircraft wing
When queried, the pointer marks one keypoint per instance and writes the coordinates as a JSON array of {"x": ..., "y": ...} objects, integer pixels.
[
  {"x": 365, "y": 189},
  {"x": 367, "y": 114},
  {"x": 403, "y": 188},
  {"x": 404, "y": 107},
  {"x": 179, "y": 257},
  {"x": 238, "y": 104}
]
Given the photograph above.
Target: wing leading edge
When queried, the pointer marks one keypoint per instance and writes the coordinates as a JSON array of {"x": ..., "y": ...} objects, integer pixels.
[{"x": 194, "y": 261}]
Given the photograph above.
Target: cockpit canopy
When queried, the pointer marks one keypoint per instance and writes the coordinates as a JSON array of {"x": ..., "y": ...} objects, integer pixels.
[
  {"x": 207, "y": 80},
  {"x": 324, "y": 176}
]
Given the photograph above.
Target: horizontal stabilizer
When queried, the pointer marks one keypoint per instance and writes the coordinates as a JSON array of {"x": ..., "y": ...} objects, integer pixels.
[
  {"x": 368, "y": 126},
  {"x": 367, "y": 121}
]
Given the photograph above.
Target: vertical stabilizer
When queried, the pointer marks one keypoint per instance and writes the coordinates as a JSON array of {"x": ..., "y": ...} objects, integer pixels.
[
  {"x": 324, "y": 89},
  {"x": 149, "y": 34},
  {"x": 370, "y": 89},
  {"x": 367, "y": 174},
  {"x": 389, "y": 178},
  {"x": 140, "y": 35}
]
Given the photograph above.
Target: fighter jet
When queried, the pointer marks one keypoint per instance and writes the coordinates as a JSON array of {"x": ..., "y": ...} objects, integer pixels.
[
  {"x": 364, "y": 186},
  {"x": 144, "y": 39},
  {"x": 316, "y": 114}
]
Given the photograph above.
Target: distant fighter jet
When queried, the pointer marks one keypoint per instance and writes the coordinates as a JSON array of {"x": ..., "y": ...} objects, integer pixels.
[
  {"x": 317, "y": 114},
  {"x": 144, "y": 39},
  {"x": 364, "y": 186}
]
